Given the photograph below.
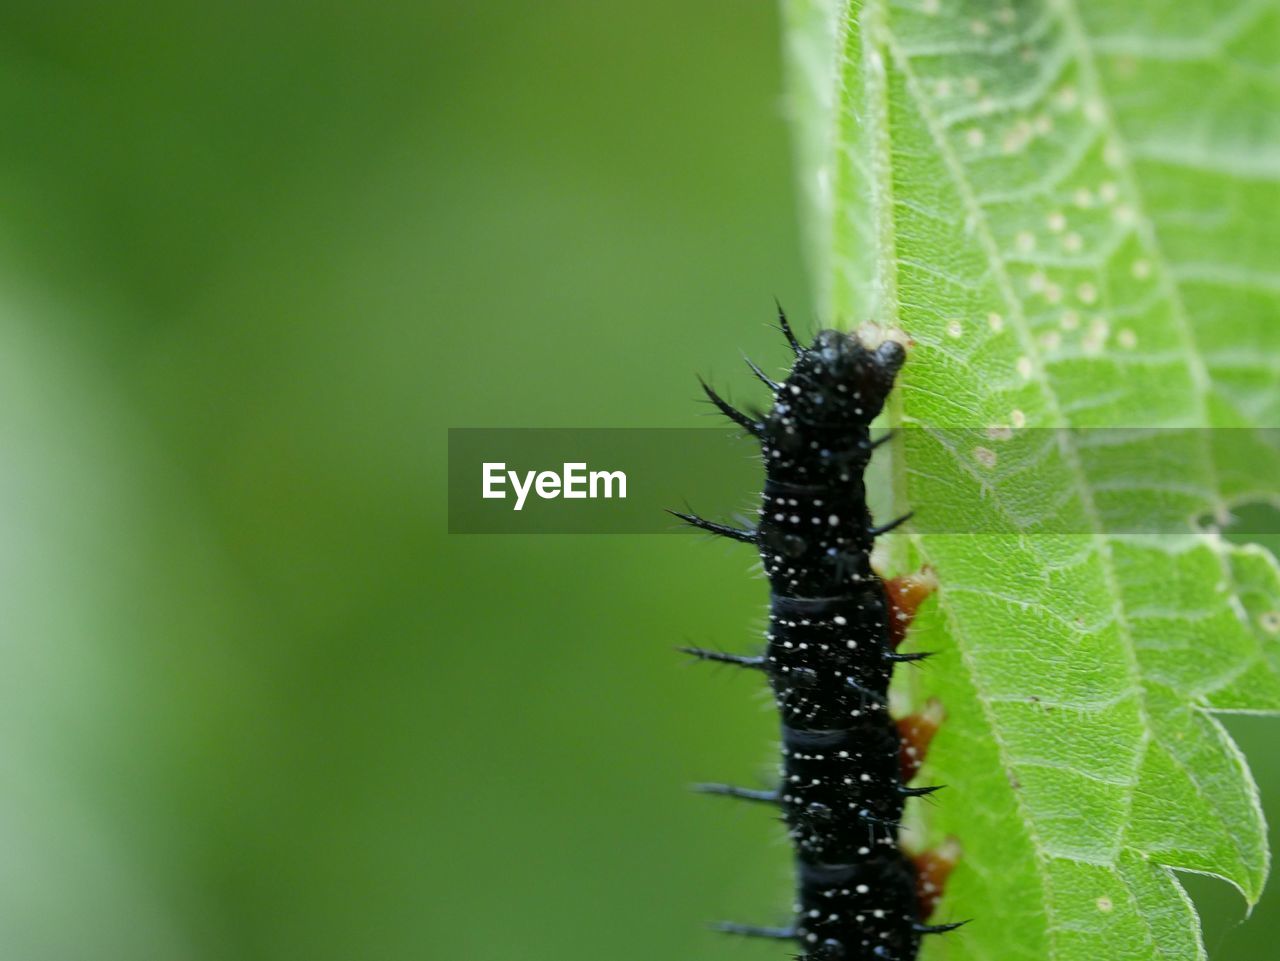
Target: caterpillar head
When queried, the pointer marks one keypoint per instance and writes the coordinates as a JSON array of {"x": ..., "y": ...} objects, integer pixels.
[{"x": 844, "y": 377}]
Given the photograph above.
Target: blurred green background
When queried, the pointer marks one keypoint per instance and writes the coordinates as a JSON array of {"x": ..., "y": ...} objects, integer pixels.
[{"x": 254, "y": 260}]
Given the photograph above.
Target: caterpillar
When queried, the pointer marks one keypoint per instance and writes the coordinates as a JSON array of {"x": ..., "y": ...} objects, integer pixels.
[{"x": 834, "y": 627}]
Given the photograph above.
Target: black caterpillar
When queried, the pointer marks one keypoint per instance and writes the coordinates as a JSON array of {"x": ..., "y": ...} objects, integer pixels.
[{"x": 834, "y": 625}]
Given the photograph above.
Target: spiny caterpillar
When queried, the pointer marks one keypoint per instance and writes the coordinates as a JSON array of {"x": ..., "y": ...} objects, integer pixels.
[{"x": 834, "y": 626}]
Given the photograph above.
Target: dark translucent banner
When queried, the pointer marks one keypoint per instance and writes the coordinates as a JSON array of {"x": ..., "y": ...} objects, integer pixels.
[{"x": 962, "y": 481}]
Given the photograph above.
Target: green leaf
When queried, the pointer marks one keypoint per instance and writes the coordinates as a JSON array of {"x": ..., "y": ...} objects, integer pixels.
[{"x": 1072, "y": 209}]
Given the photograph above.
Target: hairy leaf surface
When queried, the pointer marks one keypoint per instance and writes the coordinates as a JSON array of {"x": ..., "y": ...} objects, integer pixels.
[{"x": 1072, "y": 207}]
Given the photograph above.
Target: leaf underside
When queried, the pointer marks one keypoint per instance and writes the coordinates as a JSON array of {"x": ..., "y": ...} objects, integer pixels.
[{"x": 1072, "y": 208}]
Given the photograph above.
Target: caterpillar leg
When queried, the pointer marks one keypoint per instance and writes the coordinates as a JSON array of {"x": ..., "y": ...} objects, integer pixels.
[
  {"x": 932, "y": 870},
  {"x": 905, "y": 595},
  {"x": 916, "y": 731}
]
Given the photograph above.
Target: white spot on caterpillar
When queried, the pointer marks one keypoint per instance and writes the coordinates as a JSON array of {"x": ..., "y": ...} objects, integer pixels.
[
  {"x": 1072, "y": 242},
  {"x": 1104, "y": 904},
  {"x": 1024, "y": 367},
  {"x": 1025, "y": 241},
  {"x": 1141, "y": 269},
  {"x": 1057, "y": 222},
  {"x": 979, "y": 28},
  {"x": 1083, "y": 197},
  {"x": 955, "y": 329},
  {"x": 1070, "y": 320},
  {"x": 1108, "y": 192},
  {"x": 930, "y": 8},
  {"x": 995, "y": 322},
  {"x": 1017, "y": 418},
  {"x": 1127, "y": 339},
  {"x": 985, "y": 456},
  {"x": 1270, "y": 622},
  {"x": 974, "y": 137},
  {"x": 1087, "y": 293}
]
